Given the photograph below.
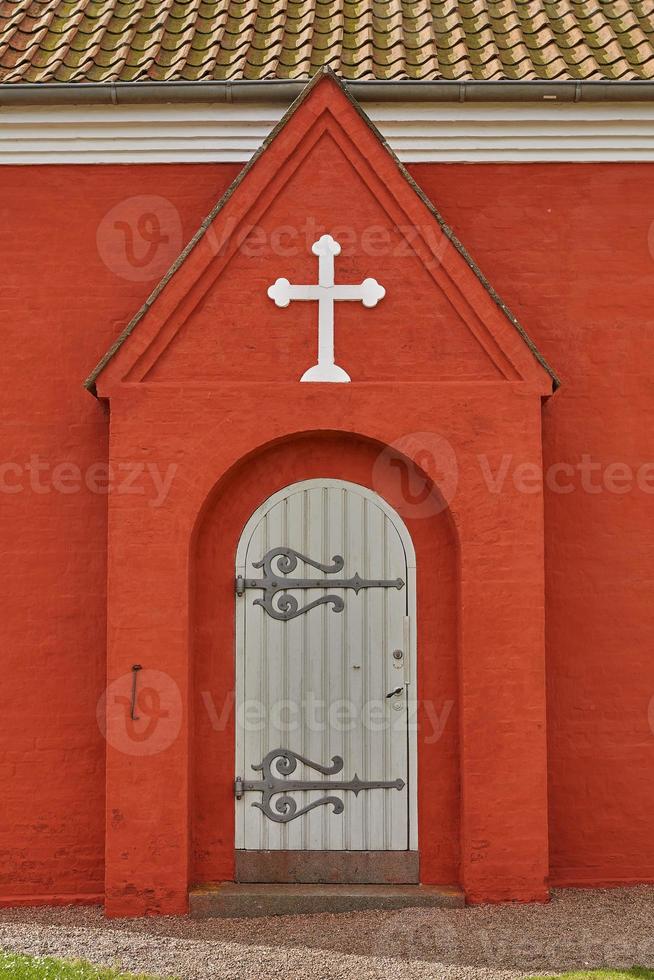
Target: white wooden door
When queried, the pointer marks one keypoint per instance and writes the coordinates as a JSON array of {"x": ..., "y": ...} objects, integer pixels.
[{"x": 319, "y": 654}]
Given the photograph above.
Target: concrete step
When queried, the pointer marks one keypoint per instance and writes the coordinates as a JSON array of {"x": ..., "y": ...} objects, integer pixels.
[{"x": 229, "y": 900}]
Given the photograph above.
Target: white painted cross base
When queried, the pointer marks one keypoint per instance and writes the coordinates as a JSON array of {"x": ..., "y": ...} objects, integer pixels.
[{"x": 369, "y": 292}]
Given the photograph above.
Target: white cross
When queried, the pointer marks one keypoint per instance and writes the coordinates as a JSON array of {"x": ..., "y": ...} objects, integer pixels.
[{"x": 369, "y": 292}]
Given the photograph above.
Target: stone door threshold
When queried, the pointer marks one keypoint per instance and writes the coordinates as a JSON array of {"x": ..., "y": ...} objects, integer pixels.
[{"x": 240, "y": 900}]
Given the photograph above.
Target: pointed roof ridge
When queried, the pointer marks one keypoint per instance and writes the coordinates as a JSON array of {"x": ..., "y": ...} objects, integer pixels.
[{"x": 326, "y": 72}]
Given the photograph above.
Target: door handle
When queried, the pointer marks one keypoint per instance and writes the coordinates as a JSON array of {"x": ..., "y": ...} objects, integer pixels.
[{"x": 391, "y": 694}]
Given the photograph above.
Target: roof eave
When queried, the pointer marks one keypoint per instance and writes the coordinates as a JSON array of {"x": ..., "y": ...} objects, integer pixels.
[{"x": 286, "y": 91}]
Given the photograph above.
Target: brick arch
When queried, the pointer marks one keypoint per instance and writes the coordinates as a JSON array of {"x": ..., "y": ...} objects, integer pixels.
[{"x": 233, "y": 500}]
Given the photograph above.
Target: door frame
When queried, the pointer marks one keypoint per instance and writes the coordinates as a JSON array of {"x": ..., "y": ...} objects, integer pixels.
[{"x": 410, "y": 641}]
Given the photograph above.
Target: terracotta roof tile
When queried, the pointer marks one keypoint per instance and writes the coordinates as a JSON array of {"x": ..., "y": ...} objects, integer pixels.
[{"x": 132, "y": 40}]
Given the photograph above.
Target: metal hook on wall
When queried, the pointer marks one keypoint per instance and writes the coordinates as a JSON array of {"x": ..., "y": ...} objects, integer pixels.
[{"x": 135, "y": 672}]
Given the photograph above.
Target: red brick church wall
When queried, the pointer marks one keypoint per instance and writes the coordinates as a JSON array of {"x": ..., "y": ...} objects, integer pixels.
[{"x": 570, "y": 248}]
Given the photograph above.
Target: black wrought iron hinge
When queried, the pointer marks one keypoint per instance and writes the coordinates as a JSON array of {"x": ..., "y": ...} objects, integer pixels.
[
  {"x": 276, "y": 580},
  {"x": 280, "y": 763}
]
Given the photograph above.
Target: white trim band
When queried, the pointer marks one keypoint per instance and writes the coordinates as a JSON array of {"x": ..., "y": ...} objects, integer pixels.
[{"x": 418, "y": 132}]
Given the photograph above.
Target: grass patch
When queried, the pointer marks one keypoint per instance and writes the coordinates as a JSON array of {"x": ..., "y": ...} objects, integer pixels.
[
  {"x": 14, "y": 967},
  {"x": 635, "y": 973}
]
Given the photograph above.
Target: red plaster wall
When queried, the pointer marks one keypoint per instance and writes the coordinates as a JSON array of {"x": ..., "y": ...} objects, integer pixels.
[
  {"x": 571, "y": 249},
  {"x": 568, "y": 247},
  {"x": 60, "y": 308}
]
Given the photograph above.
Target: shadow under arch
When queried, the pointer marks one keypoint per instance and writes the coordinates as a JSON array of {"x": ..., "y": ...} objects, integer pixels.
[
  {"x": 218, "y": 528},
  {"x": 417, "y": 474}
]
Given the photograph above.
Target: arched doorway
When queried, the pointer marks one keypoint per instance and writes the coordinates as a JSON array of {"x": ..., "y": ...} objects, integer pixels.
[
  {"x": 327, "y": 456},
  {"x": 326, "y": 758}
]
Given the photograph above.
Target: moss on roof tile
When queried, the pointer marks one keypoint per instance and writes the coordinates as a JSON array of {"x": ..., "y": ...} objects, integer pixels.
[{"x": 115, "y": 40}]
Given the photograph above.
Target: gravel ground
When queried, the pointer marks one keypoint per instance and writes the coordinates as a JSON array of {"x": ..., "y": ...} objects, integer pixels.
[{"x": 577, "y": 929}]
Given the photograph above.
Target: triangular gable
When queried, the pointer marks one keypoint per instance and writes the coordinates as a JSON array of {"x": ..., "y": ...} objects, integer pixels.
[{"x": 324, "y": 110}]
